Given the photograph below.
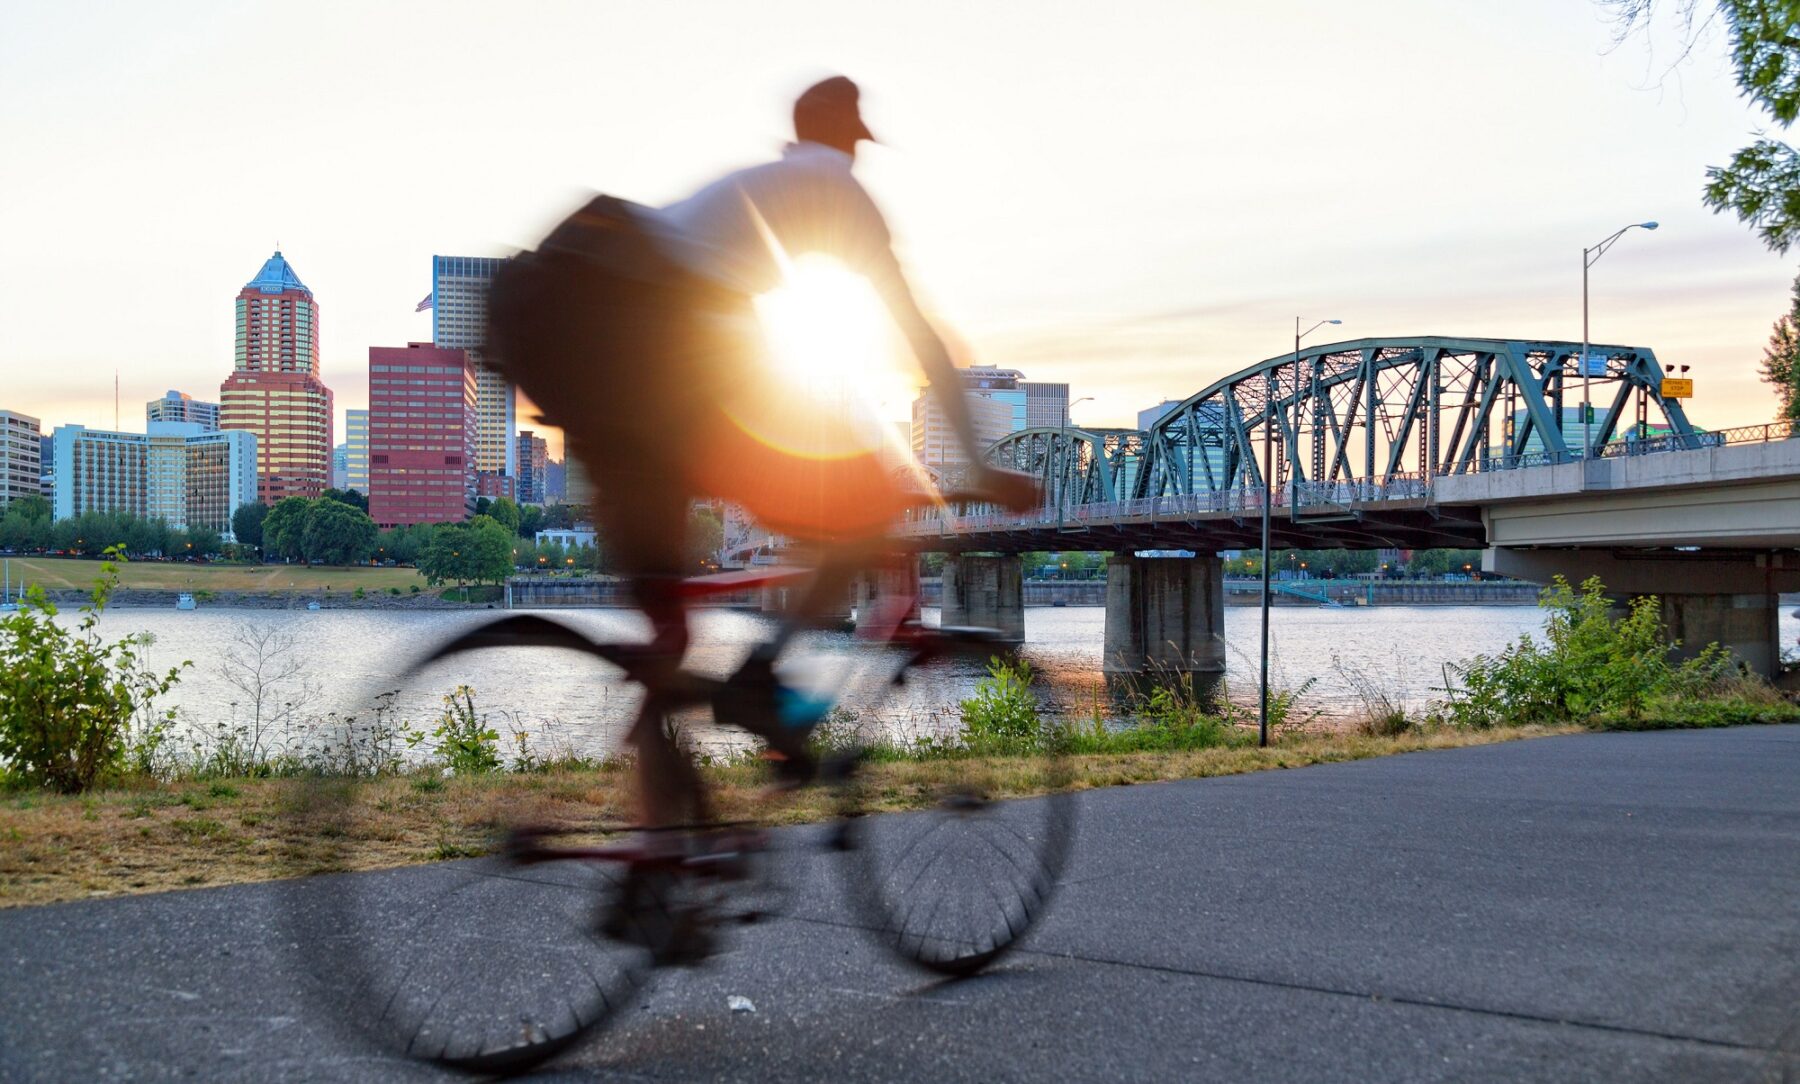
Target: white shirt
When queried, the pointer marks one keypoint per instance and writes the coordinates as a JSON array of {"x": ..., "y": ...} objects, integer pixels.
[{"x": 808, "y": 201}]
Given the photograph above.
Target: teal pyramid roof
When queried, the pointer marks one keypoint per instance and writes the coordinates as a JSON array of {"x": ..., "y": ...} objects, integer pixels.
[{"x": 277, "y": 275}]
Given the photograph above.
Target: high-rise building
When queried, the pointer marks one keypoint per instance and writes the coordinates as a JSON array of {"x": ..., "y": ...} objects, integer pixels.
[
  {"x": 21, "y": 457},
  {"x": 421, "y": 435},
  {"x": 532, "y": 457},
  {"x": 275, "y": 391},
  {"x": 340, "y": 467},
  {"x": 459, "y": 290},
  {"x": 356, "y": 455},
  {"x": 1046, "y": 405},
  {"x": 179, "y": 406},
  {"x": 1000, "y": 401},
  {"x": 47, "y": 456},
  {"x": 493, "y": 486},
  {"x": 178, "y": 471},
  {"x": 1149, "y": 416},
  {"x": 934, "y": 443}
]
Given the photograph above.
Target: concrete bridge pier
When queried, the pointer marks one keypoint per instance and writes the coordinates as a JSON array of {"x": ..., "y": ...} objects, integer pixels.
[
  {"x": 1729, "y": 599},
  {"x": 986, "y": 591},
  {"x": 1748, "y": 624},
  {"x": 892, "y": 586},
  {"x": 1165, "y": 620}
]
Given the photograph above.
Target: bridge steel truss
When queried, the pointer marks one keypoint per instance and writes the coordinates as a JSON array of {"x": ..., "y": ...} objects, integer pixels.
[
  {"x": 1352, "y": 418},
  {"x": 1360, "y": 428}
]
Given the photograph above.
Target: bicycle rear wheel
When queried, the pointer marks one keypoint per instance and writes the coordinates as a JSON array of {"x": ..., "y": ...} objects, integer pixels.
[
  {"x": 952, "y": 862},
  {"x": 486, "y": 963}
]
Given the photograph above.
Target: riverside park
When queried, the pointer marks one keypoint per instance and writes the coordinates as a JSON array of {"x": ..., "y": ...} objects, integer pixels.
[{"x": 986, "y": 543}]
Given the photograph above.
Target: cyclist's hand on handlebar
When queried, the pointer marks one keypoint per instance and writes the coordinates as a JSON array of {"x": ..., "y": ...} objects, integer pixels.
[{"x": 1007, "y": 488}]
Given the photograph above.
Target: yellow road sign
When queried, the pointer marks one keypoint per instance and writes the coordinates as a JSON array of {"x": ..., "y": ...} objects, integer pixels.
[{"x": 1673, "y": 388}]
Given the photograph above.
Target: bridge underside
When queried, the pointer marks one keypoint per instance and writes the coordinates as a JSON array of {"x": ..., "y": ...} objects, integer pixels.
[{"x": 1408, "y": 527}]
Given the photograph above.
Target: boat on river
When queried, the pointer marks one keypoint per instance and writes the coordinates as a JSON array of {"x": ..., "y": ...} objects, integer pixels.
[
  {"x": 185, "y": 601},
  {"x": 9, "y": 603}
]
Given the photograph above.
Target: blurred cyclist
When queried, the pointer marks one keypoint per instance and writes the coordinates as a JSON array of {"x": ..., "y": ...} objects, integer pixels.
[{"x": 634, "y": 330}]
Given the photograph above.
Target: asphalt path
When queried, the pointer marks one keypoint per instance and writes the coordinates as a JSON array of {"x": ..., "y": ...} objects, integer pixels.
[{"x": 1594, "y": 907}]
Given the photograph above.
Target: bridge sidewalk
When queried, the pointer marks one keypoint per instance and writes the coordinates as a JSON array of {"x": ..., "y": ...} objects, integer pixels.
[{"x": 1596, "y": 907}]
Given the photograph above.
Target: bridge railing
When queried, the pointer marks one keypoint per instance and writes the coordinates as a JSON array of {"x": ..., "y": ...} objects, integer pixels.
[{"x": 1232, "y": 502}]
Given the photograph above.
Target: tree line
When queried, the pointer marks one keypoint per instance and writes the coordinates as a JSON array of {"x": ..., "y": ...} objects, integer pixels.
[{"x": 29, "y": 526}]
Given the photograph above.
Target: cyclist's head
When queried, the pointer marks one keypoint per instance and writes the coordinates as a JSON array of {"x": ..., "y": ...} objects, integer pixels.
[{"x": 827, "y": 113}]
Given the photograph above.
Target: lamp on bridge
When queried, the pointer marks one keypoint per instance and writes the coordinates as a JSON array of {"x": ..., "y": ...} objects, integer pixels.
[
  {"x": 1268, "y": 498},
  {"x": 1589, "y": 257}
]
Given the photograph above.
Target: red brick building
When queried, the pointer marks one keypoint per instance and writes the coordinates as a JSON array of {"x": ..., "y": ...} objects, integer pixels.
[
  {"x": 493, "y": 485},
  {"x": 421, "y": 435}
]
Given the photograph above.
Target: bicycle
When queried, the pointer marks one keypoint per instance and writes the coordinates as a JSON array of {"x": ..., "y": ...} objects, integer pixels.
[{"x": 462, "y": 983}]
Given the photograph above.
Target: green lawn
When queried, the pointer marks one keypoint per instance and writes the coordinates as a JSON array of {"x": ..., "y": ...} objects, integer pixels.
[{"x": 54, "y": 573}]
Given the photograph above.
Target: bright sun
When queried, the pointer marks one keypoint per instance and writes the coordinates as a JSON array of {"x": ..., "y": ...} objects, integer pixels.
[{"x": 829, "y": 335}]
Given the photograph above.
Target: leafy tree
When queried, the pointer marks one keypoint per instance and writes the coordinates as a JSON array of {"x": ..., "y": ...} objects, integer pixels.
[
  {"x": 247, "y": 523},
  {"x": 490, "y": 551},
  {"x": 352, "y": 497},
  {"x": 403, "y": 545},
  {"x": 1781, "y": 359},
  {"x": 201, "y": 541},
  {"x": 284, "y": 528},
  {"x": 26, "y": 524},
  {"x": 557, "y": 516},
  {"x": 482, "y": 504},
  {"x": 506, "y": 514},
  {"x": 32, "y": 507},
  {"x": 531, "y": 520},
  {"x": 337, "y": 533},
  {"x": 1762, "y": 183},
  {"x": 441, "y": 561}
]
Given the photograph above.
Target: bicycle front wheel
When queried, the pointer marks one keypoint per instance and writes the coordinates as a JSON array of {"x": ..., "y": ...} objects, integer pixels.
[{"x": 956, "y": 884}]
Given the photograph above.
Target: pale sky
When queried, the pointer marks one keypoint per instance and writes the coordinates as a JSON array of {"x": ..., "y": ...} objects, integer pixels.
[{"x": 1137, "y": 198}]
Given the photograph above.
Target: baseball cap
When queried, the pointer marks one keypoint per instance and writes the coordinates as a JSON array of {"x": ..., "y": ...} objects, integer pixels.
[{"x": 832, "y": 103}]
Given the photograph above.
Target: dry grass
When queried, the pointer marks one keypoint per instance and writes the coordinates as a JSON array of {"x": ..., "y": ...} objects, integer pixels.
[
  {"x": 65, "y": 573},
  {"x": 156, "y": 837}
]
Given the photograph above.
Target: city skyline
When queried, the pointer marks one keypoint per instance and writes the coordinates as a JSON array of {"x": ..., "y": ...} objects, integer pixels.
[{"x": 1137, "y": 243}]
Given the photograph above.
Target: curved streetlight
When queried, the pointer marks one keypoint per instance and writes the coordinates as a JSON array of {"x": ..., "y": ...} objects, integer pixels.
[
  {"x": 1589, "y": 257},
  {"x": 1262, "y": 714}
]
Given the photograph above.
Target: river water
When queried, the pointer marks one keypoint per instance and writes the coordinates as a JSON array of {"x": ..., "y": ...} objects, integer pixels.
[{"x": 568, "y": 700}]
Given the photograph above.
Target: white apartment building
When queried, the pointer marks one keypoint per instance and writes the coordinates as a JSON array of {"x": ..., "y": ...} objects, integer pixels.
[{"x": 178, "y": 471}]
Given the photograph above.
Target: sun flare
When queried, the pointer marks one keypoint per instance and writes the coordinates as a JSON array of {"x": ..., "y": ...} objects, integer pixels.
[{"x": 828, "y": 334}]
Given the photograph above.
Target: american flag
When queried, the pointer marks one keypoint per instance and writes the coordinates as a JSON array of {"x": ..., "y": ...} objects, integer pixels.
[{"x": 423, "y": 305}]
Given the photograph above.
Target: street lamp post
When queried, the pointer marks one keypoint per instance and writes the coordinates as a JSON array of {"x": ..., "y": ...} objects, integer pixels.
[
  {"x": 1589, "y": 257},
  {"x": 1268, "y": 499}
]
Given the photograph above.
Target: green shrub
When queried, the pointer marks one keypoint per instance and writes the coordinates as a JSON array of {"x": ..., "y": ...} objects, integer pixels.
[
  {"x": 412, "y": 588},
  {"x": 71, "y": 707},
  {"x": 1003, "y": 713},
  {"x": 357, "y": 594},
  {"x": 1590, "y": 666}
]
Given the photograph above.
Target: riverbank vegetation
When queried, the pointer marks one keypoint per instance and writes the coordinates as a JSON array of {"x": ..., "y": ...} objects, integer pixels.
[{"x": 105, "y": 791}]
